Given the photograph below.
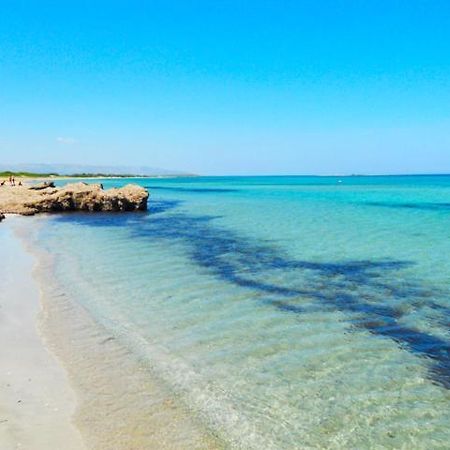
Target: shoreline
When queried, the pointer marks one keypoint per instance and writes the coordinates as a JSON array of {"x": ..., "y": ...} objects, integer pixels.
[
  {"x": 32, "y": 179},
  {"x": 37, "y": 401},
  {"x": 116, "y": 403}
]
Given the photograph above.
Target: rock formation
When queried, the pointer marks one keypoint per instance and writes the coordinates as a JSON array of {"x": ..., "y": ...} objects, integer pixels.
[
  {"x": 44, "y": 185},
  {"x": 72, "y": 197}
]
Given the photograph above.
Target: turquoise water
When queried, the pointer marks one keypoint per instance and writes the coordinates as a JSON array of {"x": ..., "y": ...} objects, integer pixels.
[{"x": 286, "y": 312}]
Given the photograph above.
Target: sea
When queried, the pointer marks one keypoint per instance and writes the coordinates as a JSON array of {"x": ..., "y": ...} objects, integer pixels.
[{"x": 282, "y": 312}]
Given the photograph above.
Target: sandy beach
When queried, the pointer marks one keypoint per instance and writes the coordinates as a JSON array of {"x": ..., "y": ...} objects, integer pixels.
[{"x": 36, "y": 400}]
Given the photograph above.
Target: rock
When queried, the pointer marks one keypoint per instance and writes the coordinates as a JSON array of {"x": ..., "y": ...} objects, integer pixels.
[
  {"x": 73, "y": 197},
  {"x": 44, "y": 185},
  {"x": 2, "y": 216}
]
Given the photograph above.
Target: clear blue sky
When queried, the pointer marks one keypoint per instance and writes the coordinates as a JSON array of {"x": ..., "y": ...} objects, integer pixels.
[{"x": 228, "y": 87}]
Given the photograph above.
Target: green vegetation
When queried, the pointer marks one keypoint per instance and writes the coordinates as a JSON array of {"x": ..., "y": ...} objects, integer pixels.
[
  {"x": 8, "y": 174},
  {"x": 103, "y": 175}
]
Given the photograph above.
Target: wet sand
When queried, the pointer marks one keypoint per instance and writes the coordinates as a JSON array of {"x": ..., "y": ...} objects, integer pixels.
[{"x": 36, "y": 400}]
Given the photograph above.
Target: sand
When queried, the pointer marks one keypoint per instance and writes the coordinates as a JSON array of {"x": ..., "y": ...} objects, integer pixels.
[{"x": 36, "y": 400}]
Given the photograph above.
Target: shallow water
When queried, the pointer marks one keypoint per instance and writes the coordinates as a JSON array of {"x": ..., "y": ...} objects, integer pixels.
[{"x": 283, "y": 312}]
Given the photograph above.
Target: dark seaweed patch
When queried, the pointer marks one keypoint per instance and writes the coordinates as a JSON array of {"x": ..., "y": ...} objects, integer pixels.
[
  {"x": 426, "y": 206},
  {"x": 193, "y": 190},
  {"x": 365, "y": 290}
]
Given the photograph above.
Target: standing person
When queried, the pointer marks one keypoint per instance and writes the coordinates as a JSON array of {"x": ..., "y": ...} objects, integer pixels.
[{"x": 13, "y": 181}]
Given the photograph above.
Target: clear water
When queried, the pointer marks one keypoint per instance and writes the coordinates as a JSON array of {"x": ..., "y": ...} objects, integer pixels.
[{"x": 286, "y": 312}]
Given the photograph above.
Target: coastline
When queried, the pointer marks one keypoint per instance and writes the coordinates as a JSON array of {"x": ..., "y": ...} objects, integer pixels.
[
  {"x": 37, "y": 402},
  {"x": 34, "y": 179},
  {"x": 106, "y": 398},
  {"x": 150, "y": 312}
]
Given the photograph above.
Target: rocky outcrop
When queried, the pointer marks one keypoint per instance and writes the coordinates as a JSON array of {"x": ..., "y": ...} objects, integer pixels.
[
  {"x": 44, "y": 185},
  {"x": 72, "y": 197}
]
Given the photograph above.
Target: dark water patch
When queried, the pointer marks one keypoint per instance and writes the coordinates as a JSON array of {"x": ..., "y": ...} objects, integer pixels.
[
  {"x": 337, "y": 285},
  {"x": 194, "y": 190},
  {"x": 430, "y": 206},
  {"x": 371, "y": 293},
  {"x": 116, "y": 219},
  {"x": 283, "y": 306},
  {"x": 100, "y": 219},
  {"x": 162, "y": 206}
]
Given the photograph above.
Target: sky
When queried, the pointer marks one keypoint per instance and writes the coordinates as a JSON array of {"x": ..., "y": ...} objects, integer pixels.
[{"x": 228, "y": 87}]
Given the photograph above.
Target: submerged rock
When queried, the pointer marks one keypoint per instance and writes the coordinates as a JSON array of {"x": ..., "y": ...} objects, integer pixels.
[{"x": 72, "y": 197}]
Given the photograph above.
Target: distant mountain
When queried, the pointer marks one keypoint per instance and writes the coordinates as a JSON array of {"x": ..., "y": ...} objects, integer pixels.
[{"x": 71, "y": 169}]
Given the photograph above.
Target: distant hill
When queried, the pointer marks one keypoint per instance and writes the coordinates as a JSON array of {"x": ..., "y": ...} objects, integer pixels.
[{"x": 77, "y": 169}]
